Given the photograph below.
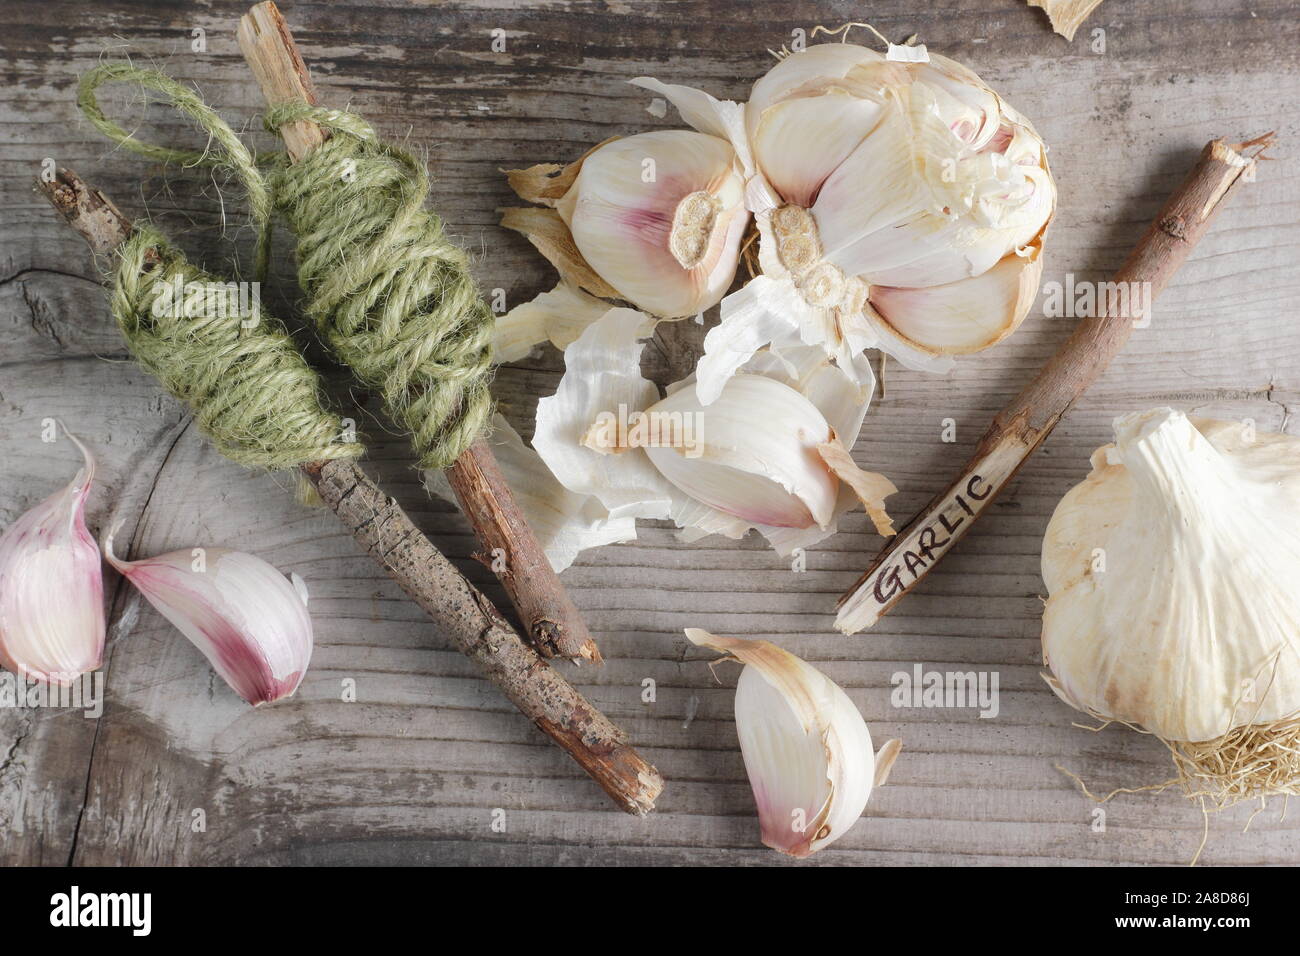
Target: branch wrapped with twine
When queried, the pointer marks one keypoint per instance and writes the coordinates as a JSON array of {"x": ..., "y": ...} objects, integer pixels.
[
  {"x": 259, "y": 401},
  {"x": 388, "y": 291}
]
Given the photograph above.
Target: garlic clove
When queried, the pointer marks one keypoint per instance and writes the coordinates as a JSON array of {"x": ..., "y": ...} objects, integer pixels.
[
  {"x": 564, "y": 522},
  {"x": 247, "y": 618},
  {"x": 870, "y": 196},
  {"x": 558, "y": 317},
  {"x": 756, "y": 457},
  {"x": 963, "y": 316},
  {"x": 660, "y": 217},
  {"x": 1171, "y": 575},
  {"x": 837, "y": 68},
  {"x": 807, "y": 750},
  {"x": 799, "y": 145},
  {"x": 51, "y": 587}
]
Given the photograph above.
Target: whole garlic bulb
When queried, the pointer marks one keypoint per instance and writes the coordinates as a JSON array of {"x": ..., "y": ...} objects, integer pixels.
[
  {"x": 1174, "y": 575},
  {"x": 807, "y": 750},
  {"x": 901, "y": 206},
  {"x": 654, "y": 219}
]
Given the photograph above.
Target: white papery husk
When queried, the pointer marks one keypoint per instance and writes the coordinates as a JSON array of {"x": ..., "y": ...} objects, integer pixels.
[
  {"x": 901, "y": 206},
  {"x": 603, "y": 374},
  {"x": 655, "y": 219},
  {"x": 807, "y": 750},
  {"x": 1192, "y": 630}
]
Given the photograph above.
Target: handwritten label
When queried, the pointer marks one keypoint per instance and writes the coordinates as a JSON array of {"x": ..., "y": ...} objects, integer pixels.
[
  {"x": 931, "y": 541},
  {"x": 909, "y": 557}
]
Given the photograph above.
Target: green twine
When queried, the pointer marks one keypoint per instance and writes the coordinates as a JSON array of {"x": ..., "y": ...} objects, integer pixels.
[
  {"x": 389, "y": 293},
  {"x": 251, "y": 390}
]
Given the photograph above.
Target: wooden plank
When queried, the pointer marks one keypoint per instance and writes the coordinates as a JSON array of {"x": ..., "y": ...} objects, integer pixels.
[{"x": 412, "y": 771}]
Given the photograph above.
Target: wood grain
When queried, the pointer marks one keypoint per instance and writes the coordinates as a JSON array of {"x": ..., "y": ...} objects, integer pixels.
[{"x": 413, "y": 770}]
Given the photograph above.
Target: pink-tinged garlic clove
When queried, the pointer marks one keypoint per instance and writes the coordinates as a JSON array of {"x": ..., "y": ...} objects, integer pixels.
[
  {"x": 52, "y": 588},
  {"x": 247, "y": 618},
  {"x": 807, "y": 750},
  {"x": 659, "y": 216}
]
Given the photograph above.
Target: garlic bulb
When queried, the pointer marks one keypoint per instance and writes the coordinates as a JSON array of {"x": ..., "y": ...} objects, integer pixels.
[
  {"x": 250, "y": 622},
  {"x": 1173, "y": 572},
  {"x": 654, "y": 219},
  {"x": 52, "y": 587},
  {"x": 807, "y": 750},
  {"x": 901, "y": 206},
  {"x": 767, "y": 455}
]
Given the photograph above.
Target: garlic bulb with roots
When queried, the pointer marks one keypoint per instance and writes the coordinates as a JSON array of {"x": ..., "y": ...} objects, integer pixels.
[
  {"x": 1174, "y": 606},
  {"x": 770, "y": 454},
  {"x": 807, "y": 750},
  {"x": 653, "y": 219},
  {"x": 901, "y": 206}
]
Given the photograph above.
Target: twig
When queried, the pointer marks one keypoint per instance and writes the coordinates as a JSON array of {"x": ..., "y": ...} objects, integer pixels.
[
  {"x": 510, "y": 548},
  {"x": 1021, "y": 427},
  {"x": 458, "y": 609}
]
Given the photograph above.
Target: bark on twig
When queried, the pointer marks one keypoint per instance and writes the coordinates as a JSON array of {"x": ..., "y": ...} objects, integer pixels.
[
  {"x": 461, "y": 612},
  {"x": 510, "y": 549},
  {"x": 1021, "y": 427}
]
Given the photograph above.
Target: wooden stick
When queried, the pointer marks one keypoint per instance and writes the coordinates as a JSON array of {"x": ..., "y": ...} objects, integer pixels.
[
  {"x": 510, "y": 548},
  {"x": 458, "y": 609},
  {"x": 1021, "y": 427}
]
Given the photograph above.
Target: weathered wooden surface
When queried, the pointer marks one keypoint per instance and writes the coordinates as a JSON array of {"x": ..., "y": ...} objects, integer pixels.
[{"x": 413, "y": 770}]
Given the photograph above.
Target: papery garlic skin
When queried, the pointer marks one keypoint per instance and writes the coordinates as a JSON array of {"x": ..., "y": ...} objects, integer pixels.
[
  {"x": 52, "y": 588},
  {"x": 768, "y": 455},
  {"x": 807, "y": 750},
  {"x": 874, "y": 180},
  {"x": 659, "y": 216},
  {"x": 247, "y": 618},
  {"x": 1172, "y": 572}
]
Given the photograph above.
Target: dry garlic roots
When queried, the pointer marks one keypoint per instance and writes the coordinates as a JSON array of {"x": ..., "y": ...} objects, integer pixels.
[{"x": 1174, "y": 575}]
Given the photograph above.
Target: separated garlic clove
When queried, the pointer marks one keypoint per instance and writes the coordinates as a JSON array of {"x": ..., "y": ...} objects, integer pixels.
[
  {"x": 1172, "y": 572},
  {"x": 807, "y": 750},
  {"x": 659, "y": 216},
  {"x": 247, "y": 618},
  {"x": 52, "y": 588}
]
